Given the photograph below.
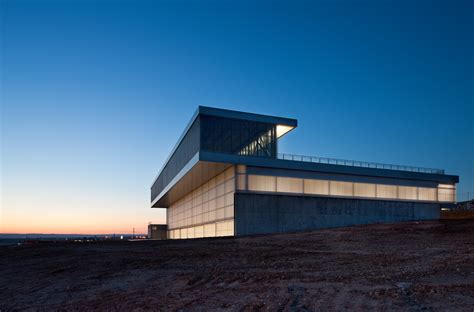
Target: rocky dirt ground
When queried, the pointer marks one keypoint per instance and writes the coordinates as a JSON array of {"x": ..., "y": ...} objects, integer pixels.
[{"x": 404, "y": 266}]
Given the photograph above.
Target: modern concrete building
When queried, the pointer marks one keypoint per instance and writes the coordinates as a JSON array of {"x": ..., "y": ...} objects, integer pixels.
[{"x": 225, "y": 177}]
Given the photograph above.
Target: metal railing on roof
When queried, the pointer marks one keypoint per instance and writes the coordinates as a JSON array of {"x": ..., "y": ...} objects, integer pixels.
[{"x": 355, "y": 163}]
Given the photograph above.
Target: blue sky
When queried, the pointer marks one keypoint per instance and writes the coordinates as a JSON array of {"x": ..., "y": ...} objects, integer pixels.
[{"x": 96, "y": 93}]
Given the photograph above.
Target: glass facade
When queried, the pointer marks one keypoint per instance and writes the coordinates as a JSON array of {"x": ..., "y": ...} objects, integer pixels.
[
  {"x": 238, "y": 137},
  {"x": 205, "y": 212},
  {"x": 273, "y": 184}
]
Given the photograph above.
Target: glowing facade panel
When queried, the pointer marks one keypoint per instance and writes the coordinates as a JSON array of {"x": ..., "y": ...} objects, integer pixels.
[
  {"x": 312, "y": 186},
  {"x": 365, "y": 190},
  {"x": 198, "y": 213},
  {"x": 289, "y": 185},
  {"x": 446, "y": 193},
  {"x": 272, "y": 184}
]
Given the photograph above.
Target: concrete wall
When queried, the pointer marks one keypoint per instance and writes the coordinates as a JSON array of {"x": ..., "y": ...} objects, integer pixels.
[
  {"x": 264, "y": 213},
  {"x": 157, "y": 231}
]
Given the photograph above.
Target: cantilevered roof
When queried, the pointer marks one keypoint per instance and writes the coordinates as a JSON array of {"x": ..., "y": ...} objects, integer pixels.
[
  {"x": 226, "y": 113},
  {"x": 283, "y": 126}
]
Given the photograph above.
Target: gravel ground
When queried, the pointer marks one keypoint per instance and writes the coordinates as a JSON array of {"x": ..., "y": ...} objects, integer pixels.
[{"x": 403, "y": 266}]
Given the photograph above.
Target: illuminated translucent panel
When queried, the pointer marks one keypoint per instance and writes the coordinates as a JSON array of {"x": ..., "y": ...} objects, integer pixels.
[
  {"x": 282, "y": 130},
  {"x": 229, "y": 199},
  {"x": 191, "y": 232},
  {"x": 386, "y": 191},
  {"x": 316, "y": 187},
  {"x": 364, "y": 190},
  {"x": 230, "y": 185},
  {"x": 199, "y": 231},
  {"x": 241, "y": 182},
  {"x": 289, "y": 185},
  {"x": 241, "y": 169},
  {"x": 225, "y": 228},
  {"x": 210, "y": 230},
  {"x": 340, "y": 188},
  {"x": 184, "y": 233},
  {"x": 449, "y": 186},
  {"x": 229, "y": 173},
  {"x": 220, "y": 214},
  {"x": 220, "y": 202},
  {"x": 261, "y": 183},
  {"x": 229, "y": 212},
  {"x": 220, "y": 178},
  {"x": 427, "y": 193},
  {"x": 206, "y": 204},
  {"x": 446, "y": 195},
  {"x": 407, "y": 192}
]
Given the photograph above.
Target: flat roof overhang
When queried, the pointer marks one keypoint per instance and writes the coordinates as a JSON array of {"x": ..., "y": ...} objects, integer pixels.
[
  {"x": 206, "y": 165},
  {"x": 283, "y": 126},
  {"x": 227, "y": 113}
]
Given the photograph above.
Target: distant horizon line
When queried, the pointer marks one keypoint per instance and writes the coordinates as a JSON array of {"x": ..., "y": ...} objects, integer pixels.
[{"x": 71, "y": 234}]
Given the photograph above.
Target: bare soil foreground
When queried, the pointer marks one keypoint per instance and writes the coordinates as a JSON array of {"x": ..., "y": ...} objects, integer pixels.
[{"x": 404, "y": 266}]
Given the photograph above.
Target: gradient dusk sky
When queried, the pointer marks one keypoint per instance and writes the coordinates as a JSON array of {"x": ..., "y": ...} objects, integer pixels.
[{"x": 94, "y": 94}]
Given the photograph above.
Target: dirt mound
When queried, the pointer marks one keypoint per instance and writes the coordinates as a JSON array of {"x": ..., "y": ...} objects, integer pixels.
[{"x": 410, "y": 266}]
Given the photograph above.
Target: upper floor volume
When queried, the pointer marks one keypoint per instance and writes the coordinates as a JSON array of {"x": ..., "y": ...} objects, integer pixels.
[
  {"x": 213, "y": 132},
  {"x": 216, "y": 138}
]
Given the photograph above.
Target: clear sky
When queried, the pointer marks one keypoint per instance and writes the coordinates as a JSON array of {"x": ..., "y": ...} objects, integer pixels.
[{"x": 95, "y": 94}]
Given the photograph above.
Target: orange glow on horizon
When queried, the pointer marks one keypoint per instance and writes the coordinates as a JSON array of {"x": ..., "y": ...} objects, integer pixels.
[
  {"x": 19, "y": 223},
  {"x": 139, "y": 229}
]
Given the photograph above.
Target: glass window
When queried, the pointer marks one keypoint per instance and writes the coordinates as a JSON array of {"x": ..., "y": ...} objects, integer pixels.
[{"x": 239, "y": 137}]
